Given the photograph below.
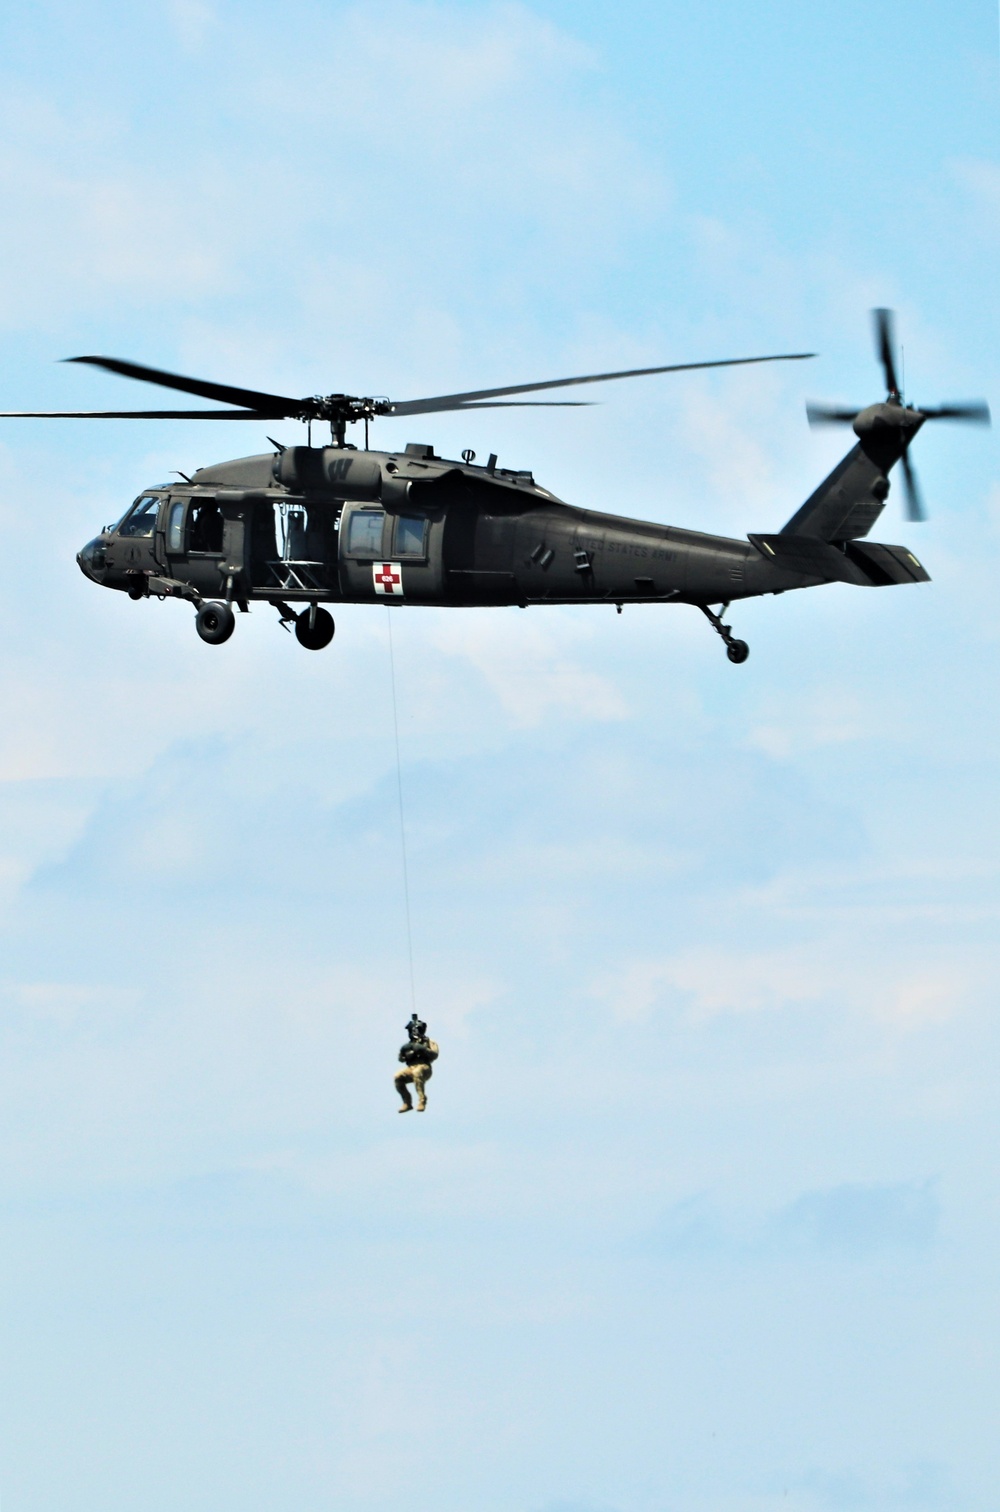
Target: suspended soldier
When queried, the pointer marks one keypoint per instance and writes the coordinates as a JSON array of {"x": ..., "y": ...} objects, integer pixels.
[{"x": 416, "y": 1056}]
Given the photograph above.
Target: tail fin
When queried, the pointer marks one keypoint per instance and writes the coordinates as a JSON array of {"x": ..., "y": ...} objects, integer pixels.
[{"x": 848, "y": 502}]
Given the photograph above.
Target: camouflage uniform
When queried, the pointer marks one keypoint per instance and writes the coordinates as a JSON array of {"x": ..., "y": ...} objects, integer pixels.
[{"x": 416, "y": 1056}]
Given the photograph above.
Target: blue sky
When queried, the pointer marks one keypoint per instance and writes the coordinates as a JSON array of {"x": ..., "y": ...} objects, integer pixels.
[{"x": 704, "y": 1213}]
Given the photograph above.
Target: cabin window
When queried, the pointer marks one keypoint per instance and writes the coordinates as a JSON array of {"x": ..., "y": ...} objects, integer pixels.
[
  {"x": 364, "y": 533},
  {"x": 142, "y": 520},
  {"x": 411, "y": 532},
  {"x": 175, "y": 527},
  {"x": 206, "y": 527}
]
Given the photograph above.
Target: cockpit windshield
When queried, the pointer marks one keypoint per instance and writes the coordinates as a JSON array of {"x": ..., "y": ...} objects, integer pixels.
[{"x": 141, "y": 518}]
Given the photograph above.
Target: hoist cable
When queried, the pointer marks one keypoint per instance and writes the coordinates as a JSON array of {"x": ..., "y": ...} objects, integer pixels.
[{"x": 402, "y": 821}]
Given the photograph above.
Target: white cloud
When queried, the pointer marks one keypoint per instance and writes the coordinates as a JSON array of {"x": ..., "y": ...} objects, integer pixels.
[
  {"x": 703, "y": 983},
  {"x": 792, "y": 723},
  {"x": 194, "y": 22},
  {"x": 437, "y": 138},
  {"x": 87, "y": 223},
  {"x": 529, "y": 664},
  {"x": 706, "y": 982},
  {"x": 930, "y": 997}
]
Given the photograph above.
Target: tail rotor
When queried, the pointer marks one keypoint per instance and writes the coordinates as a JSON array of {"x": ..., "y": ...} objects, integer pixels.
[{"x": 895, "y": 414}]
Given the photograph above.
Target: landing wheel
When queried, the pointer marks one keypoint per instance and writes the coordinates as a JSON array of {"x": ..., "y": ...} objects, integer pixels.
[
  {"x": 317, "y": 635},
  {"x": 215, "y": 623},
  {"x": 737, "y": 651}
]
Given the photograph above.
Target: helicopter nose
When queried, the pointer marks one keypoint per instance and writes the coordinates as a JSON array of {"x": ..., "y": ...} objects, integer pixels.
[{"x": 90, "y": 559}]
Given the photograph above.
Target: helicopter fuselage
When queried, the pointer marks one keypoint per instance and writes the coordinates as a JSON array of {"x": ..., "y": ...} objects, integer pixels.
[{"x": 337, "y": 525}]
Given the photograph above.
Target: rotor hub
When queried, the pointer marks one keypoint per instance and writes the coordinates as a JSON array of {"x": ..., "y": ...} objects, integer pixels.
[{"x": 889, "y": 416}]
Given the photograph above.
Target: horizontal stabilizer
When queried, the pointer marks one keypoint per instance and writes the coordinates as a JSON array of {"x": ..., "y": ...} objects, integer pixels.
[
  {"x": 809, "y": 556},
  {"x": 887, "y": 564},
  {"x": 867, "y": 564}
]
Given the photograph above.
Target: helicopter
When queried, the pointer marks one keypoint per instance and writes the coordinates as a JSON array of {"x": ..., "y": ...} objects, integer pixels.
[{"x": 309, "y": 526}]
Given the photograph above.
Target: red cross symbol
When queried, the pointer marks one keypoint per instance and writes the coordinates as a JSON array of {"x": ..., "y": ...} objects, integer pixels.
[{"x": 388, "y": 577}]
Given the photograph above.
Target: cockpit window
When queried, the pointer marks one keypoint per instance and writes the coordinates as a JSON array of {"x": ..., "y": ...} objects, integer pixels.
[
  {"x": 410, "y": 531},
  {"x": 364, "y": 533},
  {"x": 141, "y": 521}
]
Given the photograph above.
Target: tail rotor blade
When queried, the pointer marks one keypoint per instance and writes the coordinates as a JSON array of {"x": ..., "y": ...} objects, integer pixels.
[
  {"x": 885, "y": 342},
  {"x": 914, "y": 503},
  {"x": 977, "y": 411},
  {"x": 825, "y": 414}
]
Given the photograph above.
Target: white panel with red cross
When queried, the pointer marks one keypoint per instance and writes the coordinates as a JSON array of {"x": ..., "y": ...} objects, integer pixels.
[{"x": 388, "y": 578}]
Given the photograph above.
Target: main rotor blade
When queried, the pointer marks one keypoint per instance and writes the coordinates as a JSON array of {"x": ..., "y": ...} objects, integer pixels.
[
  {"x": 825, "y": 414},
  {"x": 272, "y": 406},
  {"x": 462, "y": 401},
  {"x": 914, "y": 503},
  {"x": 526, "y": 404},
  {"x": 241, "y": 414},
  {"x": 976, "y": 410},
  {"x": 245, "y": 414},
  {"x": 885, "y": 342}
]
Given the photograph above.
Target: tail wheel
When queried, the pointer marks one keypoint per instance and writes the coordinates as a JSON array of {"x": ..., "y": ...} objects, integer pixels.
[
  {"x": 737, "y": 651},
  {"x": 319, "y": 633},
  {"x": 215, "y": 623}
]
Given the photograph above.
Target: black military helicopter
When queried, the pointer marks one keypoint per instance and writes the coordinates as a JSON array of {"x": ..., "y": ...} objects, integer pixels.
[{"x": 323, "y": 525}]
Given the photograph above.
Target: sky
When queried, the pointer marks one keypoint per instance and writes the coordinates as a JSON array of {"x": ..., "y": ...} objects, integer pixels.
[{"x": 704, "y": 1214}]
